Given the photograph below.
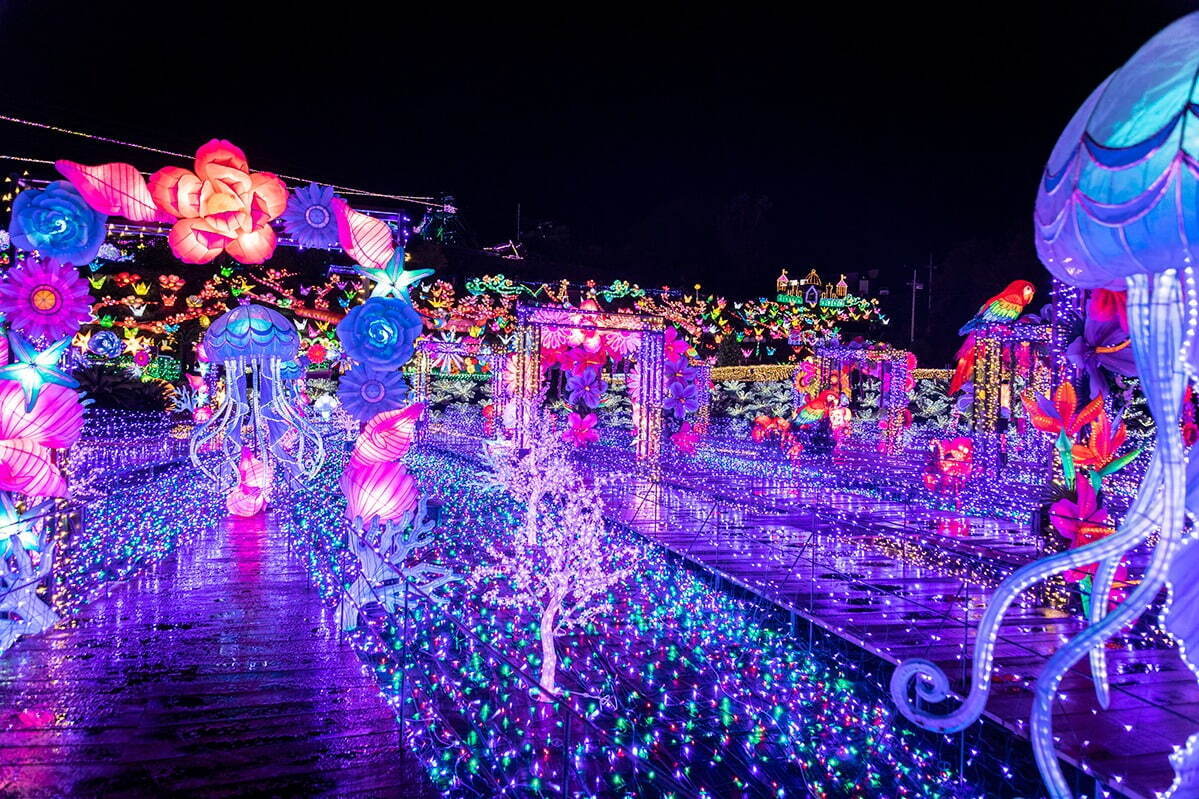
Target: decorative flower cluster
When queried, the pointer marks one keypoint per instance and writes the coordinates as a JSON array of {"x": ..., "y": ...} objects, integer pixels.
[
  {"x": 1103, "y": 348},
  {"x": 768, "y": 427},
  {"x": 950, "y": 465},
  {"x": 682, "y": 390},
  {"x": 380, "y": 335},
  {"x": 761, "y": 327},
  {"x": 1080, "y": 516}
]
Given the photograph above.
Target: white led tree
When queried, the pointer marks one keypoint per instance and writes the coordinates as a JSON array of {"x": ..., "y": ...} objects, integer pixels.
[
  {"x": 531, "y": 476},
  {"x": 562, "y": 563}
]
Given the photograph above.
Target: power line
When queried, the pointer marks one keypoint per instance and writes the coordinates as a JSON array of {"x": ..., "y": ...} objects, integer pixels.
[{"x": 425, "y": 201}]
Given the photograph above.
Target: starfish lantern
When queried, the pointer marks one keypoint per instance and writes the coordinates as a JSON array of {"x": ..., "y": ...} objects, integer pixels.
[
  {"x": 392, "y": 279},
  {"x": 33, "y": 369}
]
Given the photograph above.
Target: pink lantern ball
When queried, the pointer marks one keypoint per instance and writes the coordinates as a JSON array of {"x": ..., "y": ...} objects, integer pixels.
[
  {"x": 55, "y": 420},
  {"x": 27, "y": 436},
  {"x": 378, "y": 491}
]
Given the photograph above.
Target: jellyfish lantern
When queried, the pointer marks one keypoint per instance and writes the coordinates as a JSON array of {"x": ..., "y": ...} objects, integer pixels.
[
  {"x": 256, "y": 346},
  {"x": 1116, "y": 208}
]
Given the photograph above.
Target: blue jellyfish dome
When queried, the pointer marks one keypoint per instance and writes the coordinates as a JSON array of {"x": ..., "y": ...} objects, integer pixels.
[
  {"x": 1118, "y": 195},
  {"x": 251, "y": 331}
]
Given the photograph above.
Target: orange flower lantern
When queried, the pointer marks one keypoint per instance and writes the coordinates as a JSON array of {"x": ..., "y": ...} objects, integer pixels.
[{"x": 221, "y": 207}]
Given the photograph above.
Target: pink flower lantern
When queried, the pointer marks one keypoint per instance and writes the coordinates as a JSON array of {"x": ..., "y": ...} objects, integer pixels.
[
  {"x": 221, "y": 207},
  {"x": 580, "y": 430}
]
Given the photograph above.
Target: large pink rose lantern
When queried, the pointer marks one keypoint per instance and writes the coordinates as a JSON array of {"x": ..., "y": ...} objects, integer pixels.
[{"x": 221, "y": 207}]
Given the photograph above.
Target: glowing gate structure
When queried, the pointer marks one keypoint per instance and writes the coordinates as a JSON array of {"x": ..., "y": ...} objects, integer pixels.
[
  {"x": 1010, "y": 362},
  {"x": 527, "y": 392},
  {"x": 431, "y": 352},
  {"x": 893, "y": 368}
]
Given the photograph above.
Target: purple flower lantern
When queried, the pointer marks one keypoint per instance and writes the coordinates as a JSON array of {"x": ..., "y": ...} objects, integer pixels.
[{"x": 309, "y": 216}]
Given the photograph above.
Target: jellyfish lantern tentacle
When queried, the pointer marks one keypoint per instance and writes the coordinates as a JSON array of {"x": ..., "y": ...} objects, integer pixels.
[
  {"x": 252, "y": 342},
  {"x": 1161, "y": 356},
  {"x": 930, "y": 682},
  {"x": 309, "y": 447},
  {"x": 224, "y": 428},
  {"x": 1144, "y": 516}
]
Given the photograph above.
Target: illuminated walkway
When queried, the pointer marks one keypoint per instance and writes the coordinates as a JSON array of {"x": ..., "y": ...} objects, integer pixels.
[
  {"x": 900, "y": 584},
  {"x": 216, "y": 672}
]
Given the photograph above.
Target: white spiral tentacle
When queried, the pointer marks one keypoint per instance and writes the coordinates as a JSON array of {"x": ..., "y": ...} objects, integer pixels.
[
  {"x": 1162, "y": 321},
  {"x": 1159, "y": 347}
]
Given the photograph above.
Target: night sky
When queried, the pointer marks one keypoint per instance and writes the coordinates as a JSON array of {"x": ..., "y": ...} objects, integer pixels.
[{"x": 671, "y": 150}]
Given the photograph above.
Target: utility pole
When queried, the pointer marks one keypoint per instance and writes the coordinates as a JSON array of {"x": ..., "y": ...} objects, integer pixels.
[
  {"x": 518, "y": 223},
  {"x": 929, "y": 289},
  {"x": 916, "y": 286}
]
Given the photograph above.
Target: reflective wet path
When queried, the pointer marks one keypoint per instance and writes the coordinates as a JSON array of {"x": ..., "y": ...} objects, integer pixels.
[
  {"x": 903, "y": 582},
  {"x": 217, "y": 672}
]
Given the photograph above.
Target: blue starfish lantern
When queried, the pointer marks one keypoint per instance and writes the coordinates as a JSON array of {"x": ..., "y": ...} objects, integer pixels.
[
  {"x": 393, "y": 280},
  {"x": 34, "y": 369}
]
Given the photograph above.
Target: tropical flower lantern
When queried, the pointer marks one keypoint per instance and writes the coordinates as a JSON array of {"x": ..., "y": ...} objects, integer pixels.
[{"x": 253, "y": 343}]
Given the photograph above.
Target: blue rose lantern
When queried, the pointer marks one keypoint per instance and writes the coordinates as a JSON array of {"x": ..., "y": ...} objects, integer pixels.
[
  {"x": 380, "y": 333},
  {"x": 57, "y": 223}
]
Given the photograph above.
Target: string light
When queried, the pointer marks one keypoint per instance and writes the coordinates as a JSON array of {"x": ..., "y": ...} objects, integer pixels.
[{"x": 426, "y": 201}]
